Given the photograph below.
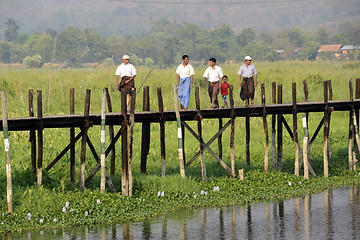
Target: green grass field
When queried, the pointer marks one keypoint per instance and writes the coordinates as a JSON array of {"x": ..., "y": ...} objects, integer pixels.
[{"x": 57, "y": 187}]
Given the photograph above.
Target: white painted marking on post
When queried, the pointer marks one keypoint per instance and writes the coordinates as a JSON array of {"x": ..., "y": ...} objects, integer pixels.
[
  {"x": 102, "y": 136},
  {"x": 304, "y": 122},
  {"x": 179, "y": 133},
  {"x": 7, "y": 144}
]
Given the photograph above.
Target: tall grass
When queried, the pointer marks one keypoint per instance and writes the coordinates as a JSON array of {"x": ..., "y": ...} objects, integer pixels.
[{"x": 17, "y": 82}]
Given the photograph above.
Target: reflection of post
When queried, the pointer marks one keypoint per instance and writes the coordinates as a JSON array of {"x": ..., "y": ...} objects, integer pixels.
[
  {"x": 249, "y": 223},
  {"x": 305, "y": 147},
  {"x": 183, "y": 230},
  {"x": 164, "y": 228},
  {"x": 146, "y": 230},
  {"x": 327, "y": 208},
  {"x": 281, "y": 217},
  {"x": 268, "y": 222},
  {"x": 203, "y": 223},
  {"x": 234, "y": 222},
  {"x": 307, "y": 215},
  {"x": 103, "y": 233},
  {"x": 297, "y": 217},
  {"x": 221, "y": 223}
]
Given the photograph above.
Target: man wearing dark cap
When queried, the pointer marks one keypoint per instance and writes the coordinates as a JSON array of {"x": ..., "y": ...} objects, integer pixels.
[{"x": 127, "y": 72}]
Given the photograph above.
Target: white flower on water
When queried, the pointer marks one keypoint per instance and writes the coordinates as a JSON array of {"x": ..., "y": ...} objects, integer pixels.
[
  {"x": 216, "y": 189},
  {"x": 29, "y": 216},
  {"x": 41, "y": 220},
  {"x": 186, "y": 196},
  {"x": 71, "y": 210},
  {"x": 162, "y": 193},
  {"x": 86, "y": 213},
  {"x": 98, "y": 201},
  {"x": 300, "y": 182},
  {"x": 64, "y": 209},
  {"x": 159, "y": 193},
  {"x": 195, "y": 196},
  {"x": 290, "y": 183},
  {"x": 2, "y": 222},
  {"x": 203, "y": 192},
  {"x": 67, "y": 204},
  {"x": 55, "y": 220}
]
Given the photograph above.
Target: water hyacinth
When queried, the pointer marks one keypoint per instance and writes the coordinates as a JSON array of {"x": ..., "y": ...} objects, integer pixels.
[
  {"x": 161, "y": 193},
  {"x": 41, "y": 221},
  {"x": 203, "y": 192},
  {"x": 55, "y": 220},
  {"x": 64, "y": 209},
  {"x": 195, "y": 196},
  {"x": 216, "y": 189},
  {"x": 67, "y": 204},
  {"x": 71, "y": 210},
  {"x": 290, "y": 183},
  {"x": 300, "y": 182},
  {"x": 86, "y": 213},
  {"x": 29, "y": 216},
  {"x": 98, "y": 201}
]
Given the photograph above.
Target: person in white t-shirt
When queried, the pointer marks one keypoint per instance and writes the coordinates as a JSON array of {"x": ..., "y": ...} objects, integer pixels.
[
  {"x": 185, "y": 75},
  {"x": 127, "y": 72},
  {"x": 247, "y": 81},
  {"x": 214, "y": 75}
]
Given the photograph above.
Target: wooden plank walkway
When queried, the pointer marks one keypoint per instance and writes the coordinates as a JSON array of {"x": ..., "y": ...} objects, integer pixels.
[{"x": 116, "y": 118}]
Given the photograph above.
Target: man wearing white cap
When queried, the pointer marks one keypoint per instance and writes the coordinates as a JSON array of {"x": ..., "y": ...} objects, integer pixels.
[
  {"x": 248, "y": 82},
  {"x": 127, "y": 72}
]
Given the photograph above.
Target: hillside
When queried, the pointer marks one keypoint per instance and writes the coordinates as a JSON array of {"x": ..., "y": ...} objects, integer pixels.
[{"x": 134, "y": 17}]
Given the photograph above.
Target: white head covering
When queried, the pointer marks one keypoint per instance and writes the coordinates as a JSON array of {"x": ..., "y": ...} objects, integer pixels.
[
  {"x": 126, "y": 57},
  {"x": 247, "y": 58}
]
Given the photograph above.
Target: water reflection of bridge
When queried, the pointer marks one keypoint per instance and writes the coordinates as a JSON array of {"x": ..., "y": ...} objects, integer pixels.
[
  {"x": 333, "y": 214},
  {"x": 127, "y": 119}
]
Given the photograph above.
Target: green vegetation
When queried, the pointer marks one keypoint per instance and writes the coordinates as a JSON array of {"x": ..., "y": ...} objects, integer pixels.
[{"x": 50, "y": 201}]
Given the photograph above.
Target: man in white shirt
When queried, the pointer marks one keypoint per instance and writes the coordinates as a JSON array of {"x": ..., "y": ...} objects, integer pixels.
[
  {"x": 184, "y": 74},
  {"x": 249, "y": 81},
  {"x": 214, "y": 74},
  {"x": 127, "y": 72}
]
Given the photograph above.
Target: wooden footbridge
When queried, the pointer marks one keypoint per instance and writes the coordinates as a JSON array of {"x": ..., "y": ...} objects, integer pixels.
[{"x": 126, "y": 119}]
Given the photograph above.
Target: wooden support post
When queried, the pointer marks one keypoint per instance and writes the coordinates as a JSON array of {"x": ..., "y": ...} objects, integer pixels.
[
  {"x": 40, "y": 138},
  {"x": 266, "y": 157},
  {"x": 306, "y": 94},
  {"x": 131, "y": 138},
  {"x": 199, "y": 118},
  {"x": 102, "y": 157},
  {"x": 295, "y": 130},
  {"x": 145, "y": 135},
  {"x": 232, "y": 133},
  {"x": 351, "y": 127},
  {"x": 273, "y": 125},
  {"x": 247, "y": 131},
  {"x": 111, "y": 134},
  {"x": 72, "y": 136},
  {"x": 330, "y": 110},
  {"x": 83, "y": 140},
  {"x": 220, "y": 138},
  {"x": 7, "y": 153},
  {"x": 241, "y": 174},
  {"x": 305, "y": 146},
  {"x": 180, "y": 142},
  {"x": 357, "y": 96},
  {"x": 124, "y": 148},
  {"x": 32, "y": 133},
  {"x": 326, "y": 130},
  {"x": 162, "y": 132},
  {"x": 280, "y": 131}
]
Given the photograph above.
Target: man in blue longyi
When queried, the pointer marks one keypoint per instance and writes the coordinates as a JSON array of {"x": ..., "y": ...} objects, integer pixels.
[{"x": 184, "y": 74}]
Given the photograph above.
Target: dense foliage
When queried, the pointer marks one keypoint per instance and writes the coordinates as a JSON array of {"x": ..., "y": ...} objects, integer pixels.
[{"x": 167, "y": 41}]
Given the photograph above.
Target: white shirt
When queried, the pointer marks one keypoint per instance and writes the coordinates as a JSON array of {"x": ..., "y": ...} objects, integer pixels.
[
  {"x": 247, "y": 72},
  {"x": 213, "y": 75},
  {"x": 186, "y": 71},
  {"x": 125, "y": 70}
]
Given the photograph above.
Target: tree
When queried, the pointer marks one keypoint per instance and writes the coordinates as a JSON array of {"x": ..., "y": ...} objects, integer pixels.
[
  {"x": 4, "y": 52},
  {"x": 11, "y": 31},
  {"x": 246, "y": 36},
  {"x": 322, "y": 36}
]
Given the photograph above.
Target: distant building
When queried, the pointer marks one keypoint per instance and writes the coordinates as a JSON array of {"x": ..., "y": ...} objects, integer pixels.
[
  {"x": 329, "y": 51},
  {"x": 350, "y": 52}
]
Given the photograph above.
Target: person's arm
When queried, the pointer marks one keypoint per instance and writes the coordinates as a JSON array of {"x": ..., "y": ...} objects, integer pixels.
[
  {"x": 192, "y": 80},
  {"x": 130, "y": 79},
  {"x": 178, "y": 79},
  {"x": 255, "y": 80},
  {"x": 117, "y": 80},
  {"x": 205, "y": 79},
  {"x": 239, "y": 80}
]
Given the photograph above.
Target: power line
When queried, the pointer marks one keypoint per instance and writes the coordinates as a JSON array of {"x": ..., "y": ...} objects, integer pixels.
[{"x": 208, "y": 3}]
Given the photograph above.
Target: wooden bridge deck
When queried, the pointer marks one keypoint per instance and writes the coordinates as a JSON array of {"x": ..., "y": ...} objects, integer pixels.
[{"x": 115, "y": 118}]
